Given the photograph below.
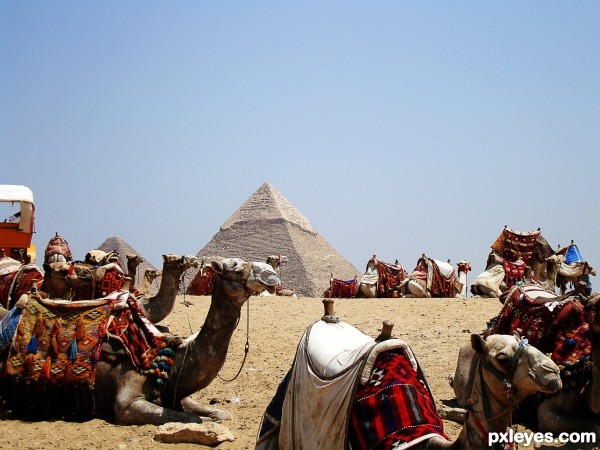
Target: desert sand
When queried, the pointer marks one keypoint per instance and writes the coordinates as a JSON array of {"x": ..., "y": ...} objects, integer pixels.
[{"x": 435, "y": 328}]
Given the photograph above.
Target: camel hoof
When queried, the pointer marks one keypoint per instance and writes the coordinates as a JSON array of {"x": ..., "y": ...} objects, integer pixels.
[
  {"x": 453, "y": 414},
  {"x": 218, "y": 416}
]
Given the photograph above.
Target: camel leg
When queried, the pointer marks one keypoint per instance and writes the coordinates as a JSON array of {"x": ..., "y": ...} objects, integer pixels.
[
  {"x": 216, "y": 415},
  {"x": 142, "y": 412},
  {"x": 554, "y": 417}
]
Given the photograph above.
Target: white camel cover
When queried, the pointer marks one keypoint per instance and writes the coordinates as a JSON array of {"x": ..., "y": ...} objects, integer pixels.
[
  {"x": 317, "y": 402},
  {"x": 491, "y": 279}
]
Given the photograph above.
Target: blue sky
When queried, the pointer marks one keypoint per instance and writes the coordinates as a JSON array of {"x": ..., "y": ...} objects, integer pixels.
[{"x": 396, "y": 128}]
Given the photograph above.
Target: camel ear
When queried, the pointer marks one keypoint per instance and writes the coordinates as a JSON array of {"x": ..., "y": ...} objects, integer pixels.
[
  {"x": 478, "y": 344},
  {"x": 217, "y": 266}
]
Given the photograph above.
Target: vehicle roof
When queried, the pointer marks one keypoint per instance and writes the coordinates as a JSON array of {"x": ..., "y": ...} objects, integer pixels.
[{"x": 15, "y": 193}]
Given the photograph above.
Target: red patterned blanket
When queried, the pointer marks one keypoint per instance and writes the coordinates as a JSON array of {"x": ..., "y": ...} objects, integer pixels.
[
  {"x": 394, "y": 407},
  {"x": 513, "y": 245},
  {"x": 555, "y": 326},
  {"x": 202, "y": 283},
  {"x": 16, "y": 280},
  {"x": 389, "y": 278},
  {"x": 513, "y": 272},
  {"x": 341, "y": 288}
]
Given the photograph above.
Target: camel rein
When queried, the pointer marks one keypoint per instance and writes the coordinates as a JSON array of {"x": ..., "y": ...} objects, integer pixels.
[{"x": 246, "y": 347}]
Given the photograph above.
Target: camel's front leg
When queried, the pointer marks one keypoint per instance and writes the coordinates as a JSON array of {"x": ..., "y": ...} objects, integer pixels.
[
  {"x": 206, "y": 412},
  {"x": 133, "y": 409}
]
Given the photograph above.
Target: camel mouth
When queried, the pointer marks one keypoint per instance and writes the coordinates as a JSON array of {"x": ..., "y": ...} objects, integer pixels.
[
  {"x": 548, "y": 384},
  {"x": 270, "y": 289}
]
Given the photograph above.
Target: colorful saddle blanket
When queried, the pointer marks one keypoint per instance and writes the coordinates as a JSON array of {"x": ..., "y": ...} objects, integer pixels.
[
  {"x": 341, "y": 288},
  {"x": 513, "y": 245},
  {"x": 202, "y": 283},
  {"x": 389, "y": 278},
  {"x": 16, "y": 280},
  {"x": 440, "y": 279},
  {"x": 555, "y": 325},
  {"x": 58, "y": 341},
  {"x": 513, "y": 272},
  {"x": 395, "y": 407}
]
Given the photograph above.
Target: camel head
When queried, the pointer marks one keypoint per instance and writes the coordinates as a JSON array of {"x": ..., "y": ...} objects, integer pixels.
[
  {"x": 514, "y": 367},
  {"x": 243, "y": 279},
  {"x": 184, "y": 262},
  {"x": 133, "y": 258}
]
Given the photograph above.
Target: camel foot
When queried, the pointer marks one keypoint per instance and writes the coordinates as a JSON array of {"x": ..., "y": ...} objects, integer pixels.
[
  {"x": 453, "y": 414},
  {"x": 206, "y": 413},
  {"x": 218, "y": 415}
]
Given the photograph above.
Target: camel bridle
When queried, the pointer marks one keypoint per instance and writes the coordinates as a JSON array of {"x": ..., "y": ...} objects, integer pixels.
[{"x": 505, "y": 376}]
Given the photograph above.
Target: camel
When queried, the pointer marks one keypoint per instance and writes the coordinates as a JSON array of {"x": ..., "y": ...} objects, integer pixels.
[
  {"x": 57, "y": 250},
  {"x": 133, "y": 261},
  {"x": 76, "y": 280},
  {"x": 275, "y": 262},
  {"x": 576, "y": 406},
  {"x": 62, "y": 280},
  {"x": 577, "y": 409},
  {"x": 488, "y": 283},
  {"x": 463, "y": 268},
  {"x": 346, "y": 373},
  {"x": 159, "y": 306},
  {"x": 570, "y": 273},
  {"x": 124, "y": 391},
  {"x": 150, "y": 274},
  {"x": 381, "y": 279},
  {"x": 432, "y": 278}
]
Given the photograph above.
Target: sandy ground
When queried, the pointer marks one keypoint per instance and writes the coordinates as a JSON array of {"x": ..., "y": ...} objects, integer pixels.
[{"x": 435, "y": 328}]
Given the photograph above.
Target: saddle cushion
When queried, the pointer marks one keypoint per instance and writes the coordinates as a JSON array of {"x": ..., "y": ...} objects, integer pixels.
[
  {"x": 58, "y": 341},
  {"x": 395, "y": 408},
  {"x": 513, "y": 245},
  {"x": 16, "y": 281},
  {"x": 342, "y": 288},
  {"x": 554, "y": 325}
]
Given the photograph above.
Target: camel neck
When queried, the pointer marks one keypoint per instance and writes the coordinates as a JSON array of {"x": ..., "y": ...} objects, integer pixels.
[
  {"x": 487, "y": 413},
  {"x": 202, "y": 356}
]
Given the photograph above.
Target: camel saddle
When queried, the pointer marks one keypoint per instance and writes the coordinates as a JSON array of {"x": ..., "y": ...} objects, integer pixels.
[
  {"x": 513, "y": 245},
  {"x": 555, "y": 325},
  {"x": 339, "y": 375},
  {"x": 16, "y": 280},
  {"x": 52, "y": 347},
  {"x": 341, "y": 288},
  {"x": 439, "y": 277},
  {"x": 389, "y": 278}
]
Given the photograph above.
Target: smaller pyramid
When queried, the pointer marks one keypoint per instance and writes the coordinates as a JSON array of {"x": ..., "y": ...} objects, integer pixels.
[
  {"x": 115, "y": 243},
  {"x": 268, "y": 224}
]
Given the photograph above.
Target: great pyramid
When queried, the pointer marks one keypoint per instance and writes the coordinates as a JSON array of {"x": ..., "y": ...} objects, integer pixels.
[
  {"x": 268, "y": 224},
  {"x": 118, "y": 244}
]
